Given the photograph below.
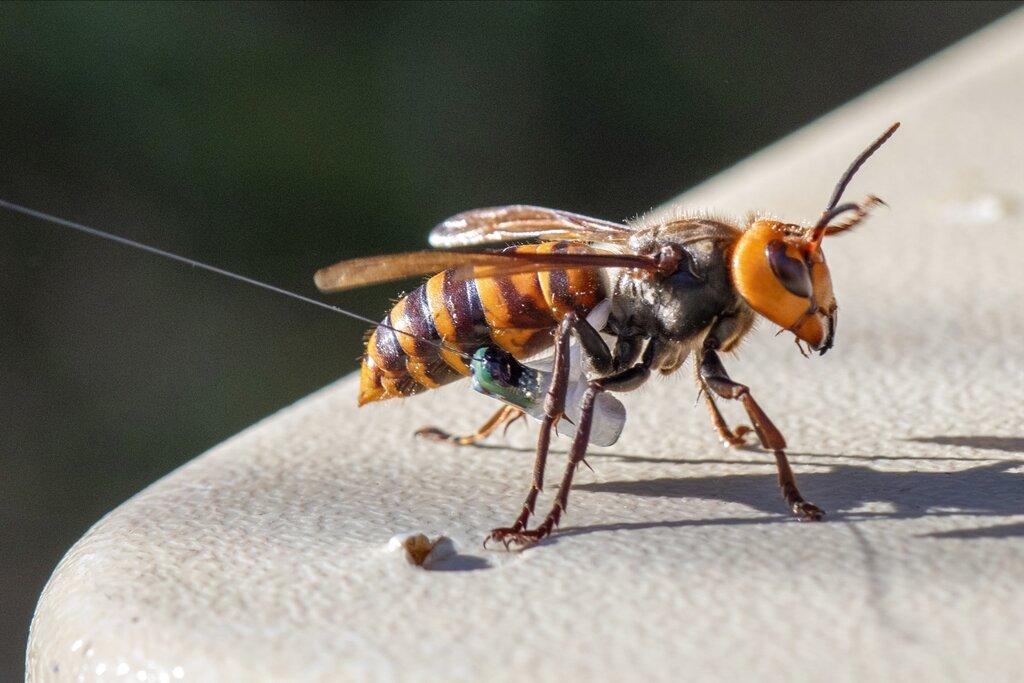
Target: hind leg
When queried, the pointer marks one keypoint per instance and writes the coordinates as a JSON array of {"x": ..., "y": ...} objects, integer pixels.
[
  {"x": 505, "y": 416},
  {"x": 626, "y": 380}
]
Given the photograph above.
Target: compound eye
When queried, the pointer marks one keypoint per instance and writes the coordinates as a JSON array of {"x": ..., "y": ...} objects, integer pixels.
[{"x": 791, "y": 272}]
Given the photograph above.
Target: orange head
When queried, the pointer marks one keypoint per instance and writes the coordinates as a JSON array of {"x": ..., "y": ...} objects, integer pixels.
[
  {"x": 780, "y": 271},
  {"x": 782, "y": 276}
]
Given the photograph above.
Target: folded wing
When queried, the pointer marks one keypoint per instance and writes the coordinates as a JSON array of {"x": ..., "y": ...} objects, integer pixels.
[
  {"x": 370, "y": 270},
  {"x": 522, "y": 222}
]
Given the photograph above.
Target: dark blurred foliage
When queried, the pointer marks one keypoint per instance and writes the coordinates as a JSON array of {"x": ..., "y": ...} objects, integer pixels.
[{"x": 272, "y": 139}]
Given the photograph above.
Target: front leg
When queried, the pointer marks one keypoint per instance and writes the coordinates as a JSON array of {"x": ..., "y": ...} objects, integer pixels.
[
  {"x": 713, "y": 373},
  {"x": 730, "y": 437}
]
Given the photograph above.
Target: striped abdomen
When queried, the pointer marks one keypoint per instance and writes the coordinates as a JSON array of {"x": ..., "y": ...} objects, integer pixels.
[{"x": 514, "y": 312}]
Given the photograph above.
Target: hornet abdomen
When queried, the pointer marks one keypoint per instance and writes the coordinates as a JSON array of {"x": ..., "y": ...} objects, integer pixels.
[{"x": 513, "y": 312}]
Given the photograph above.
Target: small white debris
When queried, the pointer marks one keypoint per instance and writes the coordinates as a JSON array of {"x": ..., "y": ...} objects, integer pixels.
[{"x": 419, "y": 550}]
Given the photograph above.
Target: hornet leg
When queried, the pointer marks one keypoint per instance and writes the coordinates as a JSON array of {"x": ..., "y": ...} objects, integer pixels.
[
  {"x": 577, "y": 451},
  {"x": 506, "y": 415},
  {"x": 554, "y": 406},
  {"x": 728, "y": 436},
  {"x": 627, "y": 380},
  {"x": 714, "y": 375}
]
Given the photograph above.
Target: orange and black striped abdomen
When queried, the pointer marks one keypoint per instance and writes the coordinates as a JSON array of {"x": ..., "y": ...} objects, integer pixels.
[{"x": 514, "y": 312}]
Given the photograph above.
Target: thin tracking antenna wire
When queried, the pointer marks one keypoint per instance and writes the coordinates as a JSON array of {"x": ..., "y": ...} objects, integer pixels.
[{"x": 57, "y": 220}]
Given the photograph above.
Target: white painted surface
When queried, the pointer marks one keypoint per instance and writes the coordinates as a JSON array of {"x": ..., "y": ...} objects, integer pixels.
[{"x": 262, "y": 559}]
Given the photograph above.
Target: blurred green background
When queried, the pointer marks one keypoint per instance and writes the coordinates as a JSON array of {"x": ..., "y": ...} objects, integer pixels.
[{"x": 272, "y": 139}]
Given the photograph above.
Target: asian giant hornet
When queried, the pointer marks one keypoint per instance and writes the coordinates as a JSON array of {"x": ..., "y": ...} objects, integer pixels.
[
  {"x": 682, "y": 287},
  {"x": 690, "y": 286}
]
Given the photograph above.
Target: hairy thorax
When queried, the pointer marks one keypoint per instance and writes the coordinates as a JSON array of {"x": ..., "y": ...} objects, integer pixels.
[{"x": 680, "y": 310}]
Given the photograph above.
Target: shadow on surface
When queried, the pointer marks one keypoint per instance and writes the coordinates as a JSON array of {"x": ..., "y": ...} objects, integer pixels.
[
  {"x": 987, "y": 490},
  {"x": 458, "y": 563},
  {"x": 993, "y": 443},
  {"x": 997, "y": 531},
  {"x": 1010, "y": 444}
]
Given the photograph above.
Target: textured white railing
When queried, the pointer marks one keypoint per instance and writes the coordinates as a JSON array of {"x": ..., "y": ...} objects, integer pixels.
[{"x": 265, "y": 558}]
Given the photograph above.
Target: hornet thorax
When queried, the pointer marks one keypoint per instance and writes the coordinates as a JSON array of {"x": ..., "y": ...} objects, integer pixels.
[{"x": 678, "y": 309}]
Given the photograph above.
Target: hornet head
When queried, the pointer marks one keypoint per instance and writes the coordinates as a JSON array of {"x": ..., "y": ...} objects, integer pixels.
[{"x": 779, "y": 268}]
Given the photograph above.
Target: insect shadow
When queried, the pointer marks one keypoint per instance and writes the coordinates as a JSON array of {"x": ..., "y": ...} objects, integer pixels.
[
  {"x": 1010, "y": 444},
  {"x": 988, "y": 490}
]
